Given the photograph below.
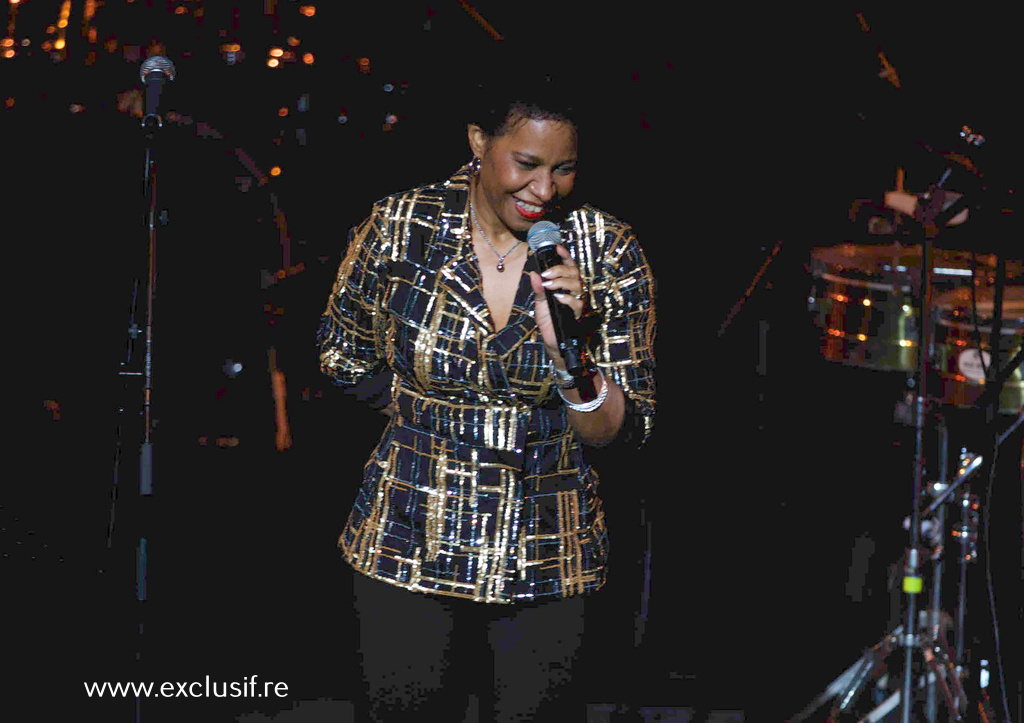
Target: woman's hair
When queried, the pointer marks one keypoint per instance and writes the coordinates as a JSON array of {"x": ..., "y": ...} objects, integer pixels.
[{"x": 510, "y": 92}]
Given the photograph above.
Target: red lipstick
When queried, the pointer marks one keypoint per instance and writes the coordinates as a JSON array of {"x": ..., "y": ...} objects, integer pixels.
[{"x": 529, "y": 215}]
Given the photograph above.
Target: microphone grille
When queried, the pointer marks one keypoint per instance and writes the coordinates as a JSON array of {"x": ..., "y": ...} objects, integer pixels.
[
  {"x": 541, "y": 234},
  {"x": 156, "y": 62}
]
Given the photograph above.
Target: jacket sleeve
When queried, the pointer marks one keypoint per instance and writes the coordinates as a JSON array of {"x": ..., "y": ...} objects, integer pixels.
[
  {"x": 623, "y": 295},
  {"x": 351, "y": 331}
]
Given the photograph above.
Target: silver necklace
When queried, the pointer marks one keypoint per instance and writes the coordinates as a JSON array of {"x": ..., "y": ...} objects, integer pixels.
[{"x": 501, "y": 257}]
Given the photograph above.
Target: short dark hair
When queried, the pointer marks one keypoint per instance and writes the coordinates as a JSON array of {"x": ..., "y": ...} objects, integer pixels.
[{"x": 508, "y": 92}]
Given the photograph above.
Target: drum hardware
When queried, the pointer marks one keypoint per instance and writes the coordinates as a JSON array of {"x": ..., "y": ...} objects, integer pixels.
[
  {"x": 977, "y": 381},
  {"x": 934, "y": 217},
  {"x": 852, "y": 333},
  {"x": 945, "y": 672},
  {"x": 871, "y": 673}
]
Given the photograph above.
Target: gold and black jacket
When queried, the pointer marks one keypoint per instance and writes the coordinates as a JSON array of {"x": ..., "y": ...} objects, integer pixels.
[{"x": 479, "y": 488}]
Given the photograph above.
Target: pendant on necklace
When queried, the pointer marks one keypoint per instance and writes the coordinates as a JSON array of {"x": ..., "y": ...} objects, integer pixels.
[{"x": 501, "y": 265}]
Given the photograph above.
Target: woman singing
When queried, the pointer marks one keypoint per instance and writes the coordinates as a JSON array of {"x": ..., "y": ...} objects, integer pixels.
[{"x": 477, "y": 533}]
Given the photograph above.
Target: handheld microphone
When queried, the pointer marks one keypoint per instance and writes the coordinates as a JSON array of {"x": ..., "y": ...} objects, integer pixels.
[
  {"x": 542, "y": 239},
  {"x": 155, "y": 71}
]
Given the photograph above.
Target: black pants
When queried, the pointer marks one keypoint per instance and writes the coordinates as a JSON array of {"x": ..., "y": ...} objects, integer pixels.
[{"x": 422, "y": 655}]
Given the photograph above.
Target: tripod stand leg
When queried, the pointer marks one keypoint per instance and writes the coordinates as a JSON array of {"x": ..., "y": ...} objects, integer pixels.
[
  {"x": 865, "y": 667},
  {"x": 850, "y": 682},
  {"x": 838, "y": 685},
  {"x": 888, "y": 706}
]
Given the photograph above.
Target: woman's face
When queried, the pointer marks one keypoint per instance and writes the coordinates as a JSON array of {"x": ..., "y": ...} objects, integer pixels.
[{"x": 525, "y": 173}]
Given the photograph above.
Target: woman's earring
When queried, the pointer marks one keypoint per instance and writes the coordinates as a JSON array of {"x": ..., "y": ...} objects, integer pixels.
[{"x": 474, "y": 166}]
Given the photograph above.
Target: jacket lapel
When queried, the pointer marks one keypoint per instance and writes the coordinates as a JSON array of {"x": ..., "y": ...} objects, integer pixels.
[{"x": 460, "y": 276}]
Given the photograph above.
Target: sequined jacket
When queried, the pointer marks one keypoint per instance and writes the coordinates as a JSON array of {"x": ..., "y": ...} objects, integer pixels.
[{"x": 479, "y": 487}]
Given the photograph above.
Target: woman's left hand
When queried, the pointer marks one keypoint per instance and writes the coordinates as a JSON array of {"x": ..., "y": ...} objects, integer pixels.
[{"x": 565, "y": 281}]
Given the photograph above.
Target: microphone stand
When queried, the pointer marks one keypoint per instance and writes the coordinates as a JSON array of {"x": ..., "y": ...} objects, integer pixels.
[{"x": 134, "y": 429}]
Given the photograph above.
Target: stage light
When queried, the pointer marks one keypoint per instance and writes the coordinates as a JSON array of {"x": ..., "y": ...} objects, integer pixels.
[
  {"x": 308, "y": 10},
  {"x": 8, "y": 53},
  {"x": 307, "y": 58},
  {"x": 275, "y": 171},
  {"x": 282, "y": 112},
  {"x": 293, "y": 41},
  {"x": 59, "y": 45},
  {"x": 6, "y": 42},
  {"x": 273, "y": 62},
  {"x": 276, "y": 52}
]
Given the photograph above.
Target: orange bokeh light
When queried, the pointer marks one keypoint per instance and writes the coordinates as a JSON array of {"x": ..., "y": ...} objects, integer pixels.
[
  {"x": 273, "y": 62},
  {"x": 275, "y": 171},
  {"x": 308, "y": 10},
  {"x": 59, "y": 45},
  {"x": 282, "y": 112},
  {"x": 276, "y": 52},
  {"x": 307, "y": 58}
]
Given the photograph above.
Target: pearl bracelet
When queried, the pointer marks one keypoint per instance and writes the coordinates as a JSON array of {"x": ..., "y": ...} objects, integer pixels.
[{"x": 593, "y": 403}]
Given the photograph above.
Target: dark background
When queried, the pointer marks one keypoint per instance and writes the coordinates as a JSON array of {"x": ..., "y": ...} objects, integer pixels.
[{"x": 767, "y": 505}]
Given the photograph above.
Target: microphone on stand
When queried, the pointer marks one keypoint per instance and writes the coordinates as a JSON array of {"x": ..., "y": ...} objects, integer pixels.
[
  {"x": 542, "y": 239},
  {"x": 155, "y": 71}
]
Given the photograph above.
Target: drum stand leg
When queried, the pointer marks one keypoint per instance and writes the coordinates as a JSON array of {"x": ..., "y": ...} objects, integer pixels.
[
  {"x": 848, "y": 685},
  {"x": 942, "y": 678}
]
